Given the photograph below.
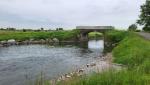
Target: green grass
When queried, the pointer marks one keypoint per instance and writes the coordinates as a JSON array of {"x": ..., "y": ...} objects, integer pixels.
[
  {"x": 20, "y": 36},
  {"x": 132, "y": 51},
  {"x": 114, "y": 37},
  {"x": 112, "y": 77},
  {"x": 93, "y": 35}
]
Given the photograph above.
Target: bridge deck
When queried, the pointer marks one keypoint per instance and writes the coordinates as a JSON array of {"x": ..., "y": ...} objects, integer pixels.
[{"x": 94, "y": 27}]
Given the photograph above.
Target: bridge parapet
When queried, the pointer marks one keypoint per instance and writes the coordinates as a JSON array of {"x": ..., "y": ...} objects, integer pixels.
[{"x": 94, "y": 27}]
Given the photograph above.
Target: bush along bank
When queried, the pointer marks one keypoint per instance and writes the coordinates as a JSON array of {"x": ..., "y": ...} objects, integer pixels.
[
  {"x": 132, "y": 51},
  {"x": 112, "y": 39},
  {"x": 17, "y": 37}
]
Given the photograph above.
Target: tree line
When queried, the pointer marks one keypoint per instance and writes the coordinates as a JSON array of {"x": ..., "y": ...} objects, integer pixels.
[
  {"x": 144, "y": 18},
  {"x": 24, "y": 30}
]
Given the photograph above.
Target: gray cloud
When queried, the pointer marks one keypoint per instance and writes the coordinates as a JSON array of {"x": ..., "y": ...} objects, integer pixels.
[{"x": 68, "y": 13}]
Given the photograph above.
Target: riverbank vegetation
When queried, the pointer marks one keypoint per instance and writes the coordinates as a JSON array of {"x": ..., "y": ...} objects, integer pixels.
[
  {"x": 21, "y": 36},
  {"x": 132, "y": 51},
  {"x": 112, "y": 39},
  {"x": 95, "y": 35}
]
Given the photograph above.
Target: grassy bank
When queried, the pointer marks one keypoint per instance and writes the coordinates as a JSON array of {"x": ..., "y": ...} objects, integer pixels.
[
  {"x": 112, "y": 77},
  {"x": 132, "y": 51},
  {"x": 112, "y": 39},
  {"x": 95, "y": 35},
  {"x": 20, "y": 36}
]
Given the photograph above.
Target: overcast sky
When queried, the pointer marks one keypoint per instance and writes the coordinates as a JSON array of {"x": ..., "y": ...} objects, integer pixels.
[{"x": 68, "y": 13}]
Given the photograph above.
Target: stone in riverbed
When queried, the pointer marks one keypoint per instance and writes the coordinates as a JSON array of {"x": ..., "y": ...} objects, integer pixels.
[
  {"x": 67, "y": 76},
  {"x": 26, "y": 42},
  {"x": 55, "y": 40},
  {"x": 81, "y": 70},
  {"x": 1, "y": 45},
  {"x": 31, "y": 39},
  {"x": 43, "y": 41},
  {"x": 49, "y": 40},
  {"x": 3, "y": 42},
  {"x": 11, "y": 42},
  {"x": 93, "y": 64},
  {"x": 87, "y": 65}
]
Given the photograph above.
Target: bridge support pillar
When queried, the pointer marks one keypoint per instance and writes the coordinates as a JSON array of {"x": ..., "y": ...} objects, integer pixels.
[{"x": 83, "y": 37}]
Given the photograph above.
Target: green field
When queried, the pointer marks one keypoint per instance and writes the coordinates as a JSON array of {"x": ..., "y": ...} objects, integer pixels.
[{"x": 21, "y": 36}]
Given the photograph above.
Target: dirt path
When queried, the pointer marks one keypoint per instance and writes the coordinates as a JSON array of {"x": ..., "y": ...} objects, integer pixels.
[{"x": 145, "y": 35}]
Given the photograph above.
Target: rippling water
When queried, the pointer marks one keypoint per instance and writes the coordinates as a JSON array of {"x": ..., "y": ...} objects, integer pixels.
[{"x": 19, "y": 64}]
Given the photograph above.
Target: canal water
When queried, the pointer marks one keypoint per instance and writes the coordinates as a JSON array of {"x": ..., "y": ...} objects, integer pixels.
[{"x": 20, "y": 65}]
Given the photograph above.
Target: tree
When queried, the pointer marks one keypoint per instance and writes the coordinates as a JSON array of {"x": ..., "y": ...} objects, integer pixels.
[
  {"x": 145, "y": 16},
  {"x": 132, "y": 27},
  {"x": 42, "y": 29},
  {"x": 24, "y": 30},
  {"x": 57, "y": 29},
  {"x": 60, "y": 28},
  {"x": 11, "y": 28}
]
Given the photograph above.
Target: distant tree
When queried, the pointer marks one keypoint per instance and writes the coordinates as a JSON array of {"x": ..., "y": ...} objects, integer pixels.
[
  {"x": 24, "y": 30},
  {"x": 11, "y": 28},
  {"x": 38, "y": 30},
  {"x": 42, "y": 29},
  {"x": 57, "y": 29},
  {"x": 2, "y": 29},
  {"x": 132, "y": 27},
  {"x": 60, "y": 28},
  {"x": 145, "y": 16}
]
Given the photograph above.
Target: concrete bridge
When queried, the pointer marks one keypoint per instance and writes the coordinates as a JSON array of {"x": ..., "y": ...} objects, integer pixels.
[{"x": 84, "y": 30}]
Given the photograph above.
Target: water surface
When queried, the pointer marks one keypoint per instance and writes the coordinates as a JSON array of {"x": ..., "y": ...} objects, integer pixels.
[{"x": 20, "y": 64}]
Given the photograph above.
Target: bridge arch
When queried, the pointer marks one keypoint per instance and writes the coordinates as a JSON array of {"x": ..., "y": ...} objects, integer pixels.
[{"x": 84, "y": 30}]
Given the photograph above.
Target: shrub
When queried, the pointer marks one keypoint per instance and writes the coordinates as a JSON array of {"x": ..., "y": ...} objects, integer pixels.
[{"x": 132, "y": 27}]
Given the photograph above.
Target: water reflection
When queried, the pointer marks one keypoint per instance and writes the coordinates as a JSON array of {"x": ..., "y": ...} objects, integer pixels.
[
  {"x": 19, "y": 63},
  {"x": 96, "y": 44}
]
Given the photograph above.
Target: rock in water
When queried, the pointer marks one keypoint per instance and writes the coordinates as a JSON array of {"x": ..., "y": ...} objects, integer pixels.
[
  {"x": 11, "y": 42},
  {"x": 55, "y": 40}
]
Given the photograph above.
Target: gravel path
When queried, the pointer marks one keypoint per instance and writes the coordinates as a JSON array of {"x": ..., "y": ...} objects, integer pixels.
[{"x": 145, "y": 35}]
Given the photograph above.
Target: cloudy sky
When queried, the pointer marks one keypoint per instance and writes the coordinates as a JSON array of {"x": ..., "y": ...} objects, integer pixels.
[{"x": 68, "y": 13}]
